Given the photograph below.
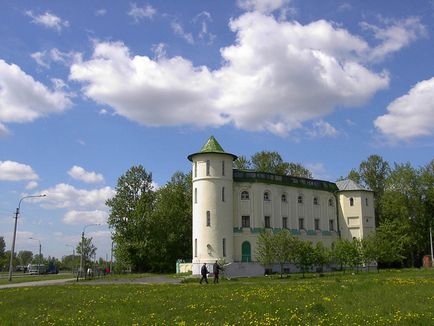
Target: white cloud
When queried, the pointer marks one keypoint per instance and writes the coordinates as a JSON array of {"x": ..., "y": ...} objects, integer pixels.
[
  {"x": 31, "y": 185},
  {"x": 39, "y": 57},
  {"x": 3, "y": 130},
  {"x": 179, "y": 30},
  {"x": 14, "y": 171},
  {"x": 203, "y": 19},
  {"x": 101, "y": 12},
  {"x": 411, "y": 115},
  {"x": 318, "y": 171},
  {"x": 48, "y": 20},
  {"x": 394, "y": 36},
  {"x": 261, "y": 86},
  {"x": 23, "y": 99},
  {"x": 263, "y": 6},
  {"x": 322, "y": 128},
  {"x": 138, "y": 13},
  {"x": 66, "y": 196},
  {"x": 77, "y": 172},
  {"x": 85, "y": 217}
]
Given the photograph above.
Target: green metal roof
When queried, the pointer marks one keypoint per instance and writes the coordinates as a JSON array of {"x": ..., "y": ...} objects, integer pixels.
[{"x": 211, "y": 146}]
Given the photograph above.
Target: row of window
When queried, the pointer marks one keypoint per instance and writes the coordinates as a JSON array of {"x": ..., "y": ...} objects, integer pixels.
[
  {"x": 352, "y": 201},
  {"x": 300, "y": 199},
  {"x": 222, "y": 194},
  {"x": 245, "y": 223},
  {"x": 208, "y": 168}
]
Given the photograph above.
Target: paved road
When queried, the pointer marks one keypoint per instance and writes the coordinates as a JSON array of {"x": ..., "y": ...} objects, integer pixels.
[
  {"x": 143, "y": 280},
  {"x": 37, "y": 283}
]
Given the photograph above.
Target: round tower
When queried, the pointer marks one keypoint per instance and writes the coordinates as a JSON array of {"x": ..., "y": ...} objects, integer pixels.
[{"x": 212, "y": 204}]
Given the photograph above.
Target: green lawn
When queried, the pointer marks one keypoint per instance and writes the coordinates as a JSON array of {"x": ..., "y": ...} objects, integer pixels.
[
  {"x": 22, "y": 277},
  {"x": 393, "y": 297}
]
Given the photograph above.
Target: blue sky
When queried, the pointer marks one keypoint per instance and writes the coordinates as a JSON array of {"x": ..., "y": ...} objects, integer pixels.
[{"x": 90, "y": 88}]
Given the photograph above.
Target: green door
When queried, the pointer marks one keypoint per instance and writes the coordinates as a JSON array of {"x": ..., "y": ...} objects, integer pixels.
[{"x": 246, "y": 255}]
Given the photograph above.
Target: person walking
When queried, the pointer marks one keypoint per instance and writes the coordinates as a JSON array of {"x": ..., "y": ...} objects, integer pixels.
[
  {"x": 216, "y": 271},
  {"x": 204, "y": 272}
]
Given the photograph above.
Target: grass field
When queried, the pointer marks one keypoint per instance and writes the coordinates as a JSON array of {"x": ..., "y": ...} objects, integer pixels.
[
  {"x": 22, "y": 277},
  {"x": 393, "y": 297}
]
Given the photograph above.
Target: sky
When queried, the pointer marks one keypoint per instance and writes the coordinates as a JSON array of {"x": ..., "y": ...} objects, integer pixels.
[{"x": 89, "y": 89}]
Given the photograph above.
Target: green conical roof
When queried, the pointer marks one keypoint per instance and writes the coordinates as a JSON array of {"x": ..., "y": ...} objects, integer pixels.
[{"x": 211, "y": 146}]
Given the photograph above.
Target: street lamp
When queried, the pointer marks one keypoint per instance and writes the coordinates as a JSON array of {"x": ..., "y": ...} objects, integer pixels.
[
  {"x": 82, "y": 247},
  {"x": 40, "y": 255},
  {"x": 15, "y": 232}
]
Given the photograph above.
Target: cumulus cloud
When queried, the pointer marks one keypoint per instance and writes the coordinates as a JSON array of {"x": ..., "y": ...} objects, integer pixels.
[
  {"x": 85, "y": 217},
  {"x": 138, "y": 13},
  {"x": 66, "y": 196},
  {"x": 14, "y": 171},
  {"x": 411, "y": 115},
  {"x": 23, "y": 99},
  {"x": 44, "y": 58},
  {"x": 395, "y": 35},
  {"x": 276, "y": 76},
  {"x": 77, "y": 172},
  {"x": 321, "y": 129},
  {"x": 3, "y": 130},
  {"x": 31, "y": 185},
  {"x": 48, "y": 20}
]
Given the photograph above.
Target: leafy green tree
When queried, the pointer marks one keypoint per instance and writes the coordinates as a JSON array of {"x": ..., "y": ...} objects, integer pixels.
[
  {"x": 171, "y": 223},
  {"x": 321, "y": 255},
  {"x": 304, "y": 257},
  {"x": 130, "y": 217},
  {"x": 88, "y": 251},
  {"x": 347, "y": 253},
  {"x": 283, "y": 247},
  {"x": 353, "y": 175},
  {"x": 25, "y": 257},
  {"x": 71, "y": 261},
  {"x": 298, "y": 170},
  {"x": 242, "y": 163},
  {"x": 373, "y": 174},
  {"x": 2, "y": 247},
  {"x": 265, "y": 249},
  {"x": 270, "y": 162}
]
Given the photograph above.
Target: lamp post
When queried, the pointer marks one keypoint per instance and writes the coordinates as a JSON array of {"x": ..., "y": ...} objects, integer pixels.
[
  {"x": 40, "y": 255},
  {"x": 15, "y": 232},
  {"x": 82, "y": 248}
]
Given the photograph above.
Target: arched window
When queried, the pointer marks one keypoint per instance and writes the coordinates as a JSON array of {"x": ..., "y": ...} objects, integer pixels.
[
  {"x": 315, "y": 201},
  {"x": 245, "y": 195},
  {"x": 208, "y": 218},
  {"x": 300, "y": 199},
  {"x": 208, "y": 166},
  {"x": 283, "y": 198},
  {"x": 351, "y": 201},
  {"x": 330, "y": 202},
  {"x": 246, "y": 252},
  {"x": 266, "y": 196}
]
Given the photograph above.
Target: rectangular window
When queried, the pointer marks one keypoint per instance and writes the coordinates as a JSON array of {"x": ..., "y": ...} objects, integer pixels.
[
  {"x": 223, "y": 168},
  {"x": 245, "y": 221},
  {"x": 195, "y": 247},
  {"x": 224, "y": 247},
  {"x": 301, "y": 223},
  {"x": 284, "y": 222},
  {"x": 317, "y": 224},
  {"x": 331, "y": 225},
  {"x": 267, "y": 221},
  {"x": 223, "y": 193},
  {"x": 195, "y": 169},
  {"x": 208, "y": 167},
  {"x": 195, "y": 195},
  {"x": 366, "y": 201},
  {"x": 208, "y": 218}
]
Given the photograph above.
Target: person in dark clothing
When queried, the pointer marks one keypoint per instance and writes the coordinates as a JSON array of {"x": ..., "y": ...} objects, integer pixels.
[
  {"x": 216, "y": 271},
  {"x": 204, "y": 271}
]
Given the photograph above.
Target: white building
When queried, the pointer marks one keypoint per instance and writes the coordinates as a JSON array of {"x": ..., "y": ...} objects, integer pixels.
[{"x": 231, "y": 207}]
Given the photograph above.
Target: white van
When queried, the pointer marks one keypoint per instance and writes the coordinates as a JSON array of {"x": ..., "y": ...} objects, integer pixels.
[{"x": 36, "y": 269}]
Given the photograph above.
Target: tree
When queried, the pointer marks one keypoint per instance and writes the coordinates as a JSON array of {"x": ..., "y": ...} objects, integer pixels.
[
  {"x": 283, "y": 247},
  {"x": 2, "y": 247},
  {"x": 242, "y": 163},
  {"x": 171, "y": 223},
  {"x": 373, "y": 174},
  {"x": 304, "y": 257},
  {"x": 25, "y": 257},
  {"x": 130, "y": 215},
  {"x": 270, "y": 162},
  {"x": 298, "y": 170},
  {"x": 321, "y": 255},
  {"x": 88, "y": 251},
  {"x": 265, "y": 249}
]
